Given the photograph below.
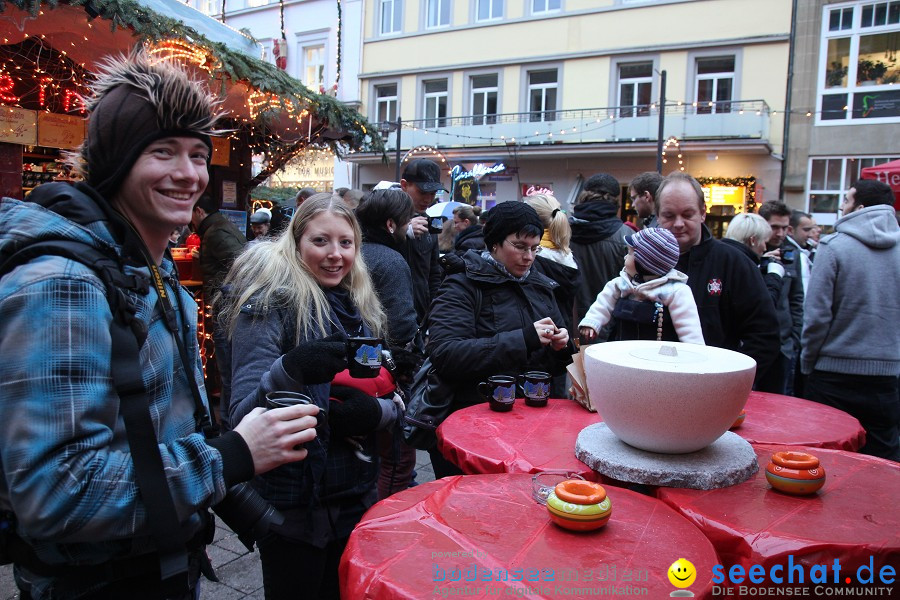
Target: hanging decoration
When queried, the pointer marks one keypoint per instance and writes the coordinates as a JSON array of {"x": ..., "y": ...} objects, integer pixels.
[
  {"x": 35, "y": 76},
  {"x": 673, "y": 142},
  {"x": 184, "y": 51},
  {"x": 279, "y": 47},
  {"x": 430, "y": 152},
  {"x": 337, "y": 77}
]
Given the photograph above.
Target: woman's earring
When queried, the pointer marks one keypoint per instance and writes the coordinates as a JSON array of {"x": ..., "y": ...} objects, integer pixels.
[{"x": 390, "y": 230}]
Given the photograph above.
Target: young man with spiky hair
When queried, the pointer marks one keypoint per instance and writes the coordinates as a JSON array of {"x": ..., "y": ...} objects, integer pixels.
[{"x": 77, "y": 514}]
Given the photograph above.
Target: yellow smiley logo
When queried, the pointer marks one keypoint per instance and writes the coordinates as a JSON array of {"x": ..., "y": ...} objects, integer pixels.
[{"x": 682, "y": 573}]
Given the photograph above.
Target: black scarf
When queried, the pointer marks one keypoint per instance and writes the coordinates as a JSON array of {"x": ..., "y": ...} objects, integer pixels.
[
  {"x": 345, "y": 309},
  {"x": 594, "y": 221}
]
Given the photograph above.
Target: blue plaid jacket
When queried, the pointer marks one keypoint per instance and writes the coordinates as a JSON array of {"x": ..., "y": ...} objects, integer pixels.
[{"x": 65, "y": 467}]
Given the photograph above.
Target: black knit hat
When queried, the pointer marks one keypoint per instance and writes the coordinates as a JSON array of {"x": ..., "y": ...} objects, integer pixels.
[
  {"x": 512, "y": 216},
  {"x": 133, "y": 104}
]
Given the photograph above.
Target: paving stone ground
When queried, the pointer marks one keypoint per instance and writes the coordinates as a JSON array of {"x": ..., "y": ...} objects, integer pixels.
[{"x": 239, "y": 571}]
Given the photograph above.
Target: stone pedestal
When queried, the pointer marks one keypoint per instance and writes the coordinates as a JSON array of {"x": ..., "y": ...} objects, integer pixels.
[{"x": 727, "y": 461}]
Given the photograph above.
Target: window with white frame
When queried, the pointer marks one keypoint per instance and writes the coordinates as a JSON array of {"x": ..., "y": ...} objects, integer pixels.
[
  {"x": 386, "y": 102},
  {"x": 635, "y": 89},
  {"x": 314, "y": 67},
  {"x": 542, "y": 88},
  {"x": 829, "y": 180},
  {"x": 545, "y": 6},
  {"x": 859, "y": 66},
  {"x": 484, "y": 99},
  {"x": 488, "y": 10},
  {"x": 437, "y": 13},
  {"x": 434, "y": 94},
  {"x": 714, "y": 84},
  {"x": 391, "y": 16}
]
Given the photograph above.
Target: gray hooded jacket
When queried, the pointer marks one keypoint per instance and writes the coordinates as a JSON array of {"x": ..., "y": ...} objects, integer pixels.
[{"x": 851, "y": 318}]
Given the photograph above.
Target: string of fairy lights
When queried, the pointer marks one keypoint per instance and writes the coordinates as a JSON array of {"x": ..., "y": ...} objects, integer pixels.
[
  {"x": 37, "y": 76},
  {"x": 597, "y": 123}
]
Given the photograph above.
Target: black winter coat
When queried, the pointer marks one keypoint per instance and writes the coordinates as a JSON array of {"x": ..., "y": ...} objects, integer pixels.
[
  {"x": 422, "y": 254},
  {"x": 736, "y": 310},
  {"x": 470, "y": 238},
  {"x": 598, "y": 243},
  {"x": 466, "y": 348},
  {"x": 568, "y": 279}
]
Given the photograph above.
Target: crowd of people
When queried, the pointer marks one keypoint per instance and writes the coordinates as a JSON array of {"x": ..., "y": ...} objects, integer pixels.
[{"x": 112, "y": 458}]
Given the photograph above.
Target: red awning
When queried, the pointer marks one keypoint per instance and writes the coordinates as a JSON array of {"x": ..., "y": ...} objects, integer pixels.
[{"x": 888, "y": 173}]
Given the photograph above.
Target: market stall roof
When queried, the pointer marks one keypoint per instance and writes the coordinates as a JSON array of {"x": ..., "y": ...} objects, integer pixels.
[
  {"x": 280, "y": 115},
  {"x": 888, "y": 173}
]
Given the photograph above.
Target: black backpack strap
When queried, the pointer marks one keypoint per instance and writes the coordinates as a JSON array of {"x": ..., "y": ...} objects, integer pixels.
[{"x": 128, "y": 334}]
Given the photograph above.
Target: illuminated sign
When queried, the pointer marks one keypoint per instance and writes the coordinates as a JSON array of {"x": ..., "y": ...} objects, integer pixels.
[
  {"x": 45, "y": 90},
  {"x": 477, "y": 172},
  {"x": 724, "y": 194}
]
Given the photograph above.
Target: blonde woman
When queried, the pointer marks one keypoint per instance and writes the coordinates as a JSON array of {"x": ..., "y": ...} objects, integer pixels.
[
  {"x": 556, "y": 260},
  {"x": 287, "y": 307}
]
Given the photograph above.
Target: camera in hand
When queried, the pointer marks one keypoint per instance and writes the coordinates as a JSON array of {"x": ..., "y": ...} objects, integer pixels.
[
  {"x": 247, "y": 514},
  {"x": 787, "y": 255},
  {"x": 435, "y": 224}
]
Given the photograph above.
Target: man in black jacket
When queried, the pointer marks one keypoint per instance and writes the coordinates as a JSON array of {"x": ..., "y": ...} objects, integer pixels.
[
  {"x": 422, "y": 180},
  {"x": 789, "y": 306},
  {"x": 736, "y": 311},
  {"x": 598, "y": 239}
]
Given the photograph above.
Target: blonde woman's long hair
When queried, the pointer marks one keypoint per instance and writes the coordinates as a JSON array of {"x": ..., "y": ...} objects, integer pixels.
[
  {"x": 272, "y": 274},
  {"x": 556, "y": 223}
]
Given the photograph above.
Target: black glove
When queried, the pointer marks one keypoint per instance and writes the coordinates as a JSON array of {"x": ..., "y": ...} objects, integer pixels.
[
  {"x": 317, "y": 361},
  {"x": 353, "y": 412}
]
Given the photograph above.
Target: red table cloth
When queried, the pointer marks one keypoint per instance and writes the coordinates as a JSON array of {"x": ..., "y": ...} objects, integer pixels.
[
  {"x": 854, "y": 518},
  {"x": 776, "y": 419},
  {"x": 524, "y": 440},
  {"x": 471, "y": 535}
]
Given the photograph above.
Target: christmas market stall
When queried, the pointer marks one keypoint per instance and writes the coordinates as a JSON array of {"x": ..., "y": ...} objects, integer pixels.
[{"x": 49, "y": 49}]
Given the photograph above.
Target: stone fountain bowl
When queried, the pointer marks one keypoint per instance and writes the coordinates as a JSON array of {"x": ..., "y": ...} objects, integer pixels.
[{"x": 667, "y": 397}]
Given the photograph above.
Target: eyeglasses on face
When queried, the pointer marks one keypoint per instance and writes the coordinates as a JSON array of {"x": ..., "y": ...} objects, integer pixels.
[{"x": 523, "y": 249}]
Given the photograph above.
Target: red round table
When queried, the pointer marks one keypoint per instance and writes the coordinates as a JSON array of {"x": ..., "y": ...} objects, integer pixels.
[
  {"x": 484, "y": 536},
  {"x": 524, "y": 440},
  {"x": 854, "y": 518},
  {"x": 776, "y": 419}
]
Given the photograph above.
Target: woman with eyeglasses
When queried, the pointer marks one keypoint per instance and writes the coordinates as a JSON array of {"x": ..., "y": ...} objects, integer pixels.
[{"x": 496, "y": 315}]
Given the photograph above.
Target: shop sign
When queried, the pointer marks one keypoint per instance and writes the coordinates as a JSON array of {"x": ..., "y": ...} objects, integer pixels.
[
  {"x": 873, "y": 105},
  {"x": 307, "y": 171},
  {"x": 18, "y": 126},
  {"x": 221, "y": 155},
  {"x": 478, "y": 171},
  {"x": 60, "y": 131},
  {"x": 530, "y": 189},
  {"x": 724, "y": 194}
]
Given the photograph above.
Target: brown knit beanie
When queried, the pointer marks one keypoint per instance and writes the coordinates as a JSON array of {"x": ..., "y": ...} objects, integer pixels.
[{"x": 133, "y": 104}]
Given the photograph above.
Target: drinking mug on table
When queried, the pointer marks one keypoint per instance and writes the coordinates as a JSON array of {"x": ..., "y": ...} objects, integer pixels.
[
  {"x": 500, "y": 391},
  {"x": 536, "y": 388},
  {"x": 364, "y": 357}
]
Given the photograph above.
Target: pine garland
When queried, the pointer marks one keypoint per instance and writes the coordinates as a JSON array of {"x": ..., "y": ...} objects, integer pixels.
[{"x": 147, "y": 25}]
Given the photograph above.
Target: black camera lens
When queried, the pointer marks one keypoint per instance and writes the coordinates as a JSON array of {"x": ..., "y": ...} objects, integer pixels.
[{"x": 247, "y": 513}]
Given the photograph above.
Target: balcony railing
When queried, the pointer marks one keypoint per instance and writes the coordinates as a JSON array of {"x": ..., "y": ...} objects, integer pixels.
[{"x": 737, "y": 119}]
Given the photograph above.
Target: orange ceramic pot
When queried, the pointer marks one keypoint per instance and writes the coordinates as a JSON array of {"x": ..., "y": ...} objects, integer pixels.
[
  {"x": 739, "y": 421},
  {"x": 795, "y": 473},
  {"x": 579, "y": 505}
]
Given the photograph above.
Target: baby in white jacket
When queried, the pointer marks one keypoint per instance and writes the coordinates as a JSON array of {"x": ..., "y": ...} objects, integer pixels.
[{"x": 650, "y": 276}]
